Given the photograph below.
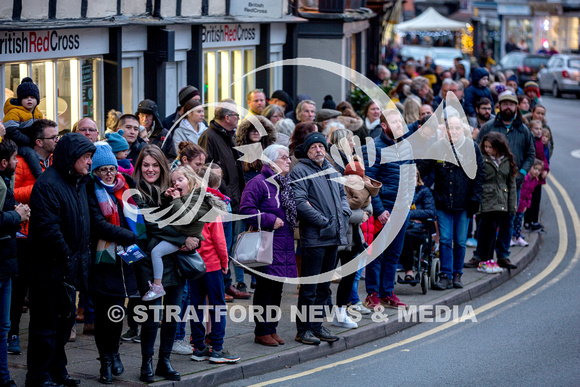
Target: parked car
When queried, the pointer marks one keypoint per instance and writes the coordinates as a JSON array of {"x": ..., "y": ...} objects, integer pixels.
[
  {"x": 415, "y": 52},
  {"x": 524, "y": 65},
  {"x": 444, "y": 56},
  {"x": 561, "y": 75}
]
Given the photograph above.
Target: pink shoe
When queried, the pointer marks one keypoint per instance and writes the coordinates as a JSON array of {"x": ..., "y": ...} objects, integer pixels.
[
  {"x": 392, "y": 302},
  {"x": 155, "y": 291}
]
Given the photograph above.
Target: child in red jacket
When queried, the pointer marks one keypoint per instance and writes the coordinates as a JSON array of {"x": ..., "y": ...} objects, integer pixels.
[{"x": 214, "y": 252}]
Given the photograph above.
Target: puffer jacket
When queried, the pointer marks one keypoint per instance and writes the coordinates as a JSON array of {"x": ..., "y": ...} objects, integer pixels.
[
  {"x": 253, "y": 169},
  {"x": 499, "y": 187},
  {"x": 361, "y": 198},
  {"x": 219, "y": 145},
  {"x": 110, "y": 280},
  {"x": 475, "y": 92},
  {"x": 24, "y": 182},
  {"x": 16, "y": 119},
  {"x": 454, "y": 190},
  {"x": 520, "y": 140},
  {"x": 59, "y": 228},
  {"x": 321, "y": 203},
  {"x": 390, "y": 156},
  {"x": 262, "y": 195},
  {"x": 9, "y": 225},
  {"x": 423, "y": 204}
]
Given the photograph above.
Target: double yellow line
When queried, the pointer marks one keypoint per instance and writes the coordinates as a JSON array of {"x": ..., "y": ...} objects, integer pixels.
[{"x": 557, "y": 260}]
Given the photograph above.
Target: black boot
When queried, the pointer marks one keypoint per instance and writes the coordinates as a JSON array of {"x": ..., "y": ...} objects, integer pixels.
[
  {"x": 118, "y": 368},
  {"x": 106, "y": 367},
  {"x": 147, "y": 369},
  {"x": 165, "y": 369}
]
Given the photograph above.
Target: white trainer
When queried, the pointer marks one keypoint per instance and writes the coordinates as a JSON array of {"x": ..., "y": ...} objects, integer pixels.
[
  {"x": 181, "y": 347},
  {"x": 155, "y": 291},
  {"x": 359, "y": 306},
  {"x": 343, "y": 320}
]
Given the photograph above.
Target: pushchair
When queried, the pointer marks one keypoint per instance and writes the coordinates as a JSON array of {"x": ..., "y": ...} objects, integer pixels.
[{"x": 426, "y": 265}]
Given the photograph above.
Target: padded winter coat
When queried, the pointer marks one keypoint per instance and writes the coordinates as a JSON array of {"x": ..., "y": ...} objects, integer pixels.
[
  {"x": 59, "y": 228},
  {"x": 261, "y": 195},
  {"x": 17, "y": 119},
  {"x": 321, "y": 203},
  {"x": 9, "y": 225},
  {"x": 475, "y": 92},
  {"x": 499, "y": 187}
]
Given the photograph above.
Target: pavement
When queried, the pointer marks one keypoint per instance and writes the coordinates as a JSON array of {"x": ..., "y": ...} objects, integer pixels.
[{"x": 258, "y": 359}]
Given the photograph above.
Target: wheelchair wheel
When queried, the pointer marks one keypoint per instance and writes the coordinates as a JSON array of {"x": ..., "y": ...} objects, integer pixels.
[
  {"x": 424, "y": 282},
  {"x": 434, "y": 272}
]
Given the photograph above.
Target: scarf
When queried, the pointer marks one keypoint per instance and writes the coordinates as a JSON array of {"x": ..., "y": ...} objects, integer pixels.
[
  {"x": 108, "y": 196},
  {"x": 287, "y": 200}
]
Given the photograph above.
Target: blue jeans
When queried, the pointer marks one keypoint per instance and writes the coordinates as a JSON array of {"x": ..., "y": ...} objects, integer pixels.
[
  {"x": 380, "y": 277},
  {"x": 211, "y": 285},
  {"x": 453, "y": 235},
  {"x": 315, "y": 260},
  {"x": 5, "y": 291},
  {"x": 180, "y": 334},
  {"x": 354, "y": 298}
]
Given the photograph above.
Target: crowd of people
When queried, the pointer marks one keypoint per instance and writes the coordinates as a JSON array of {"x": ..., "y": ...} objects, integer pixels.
[{"x": 74, "y": 204}]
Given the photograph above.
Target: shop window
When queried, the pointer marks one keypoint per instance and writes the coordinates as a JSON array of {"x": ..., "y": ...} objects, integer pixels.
[
  {"x": 220, "y": 69},
  {"x": 68, "y": 88}
]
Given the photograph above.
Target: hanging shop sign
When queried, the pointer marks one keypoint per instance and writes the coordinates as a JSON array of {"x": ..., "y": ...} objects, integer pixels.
[
  {"x": 255, "y": 8},
  {"x": 230, "y": 35},
  {"x": 44, "y": 44}
]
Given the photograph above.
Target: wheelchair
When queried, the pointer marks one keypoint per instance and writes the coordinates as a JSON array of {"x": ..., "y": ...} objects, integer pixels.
[{"x": 426, "y": 264}]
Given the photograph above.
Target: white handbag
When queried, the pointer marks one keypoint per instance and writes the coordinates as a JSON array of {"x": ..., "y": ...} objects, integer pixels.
[{"x": 254, "y": 248}]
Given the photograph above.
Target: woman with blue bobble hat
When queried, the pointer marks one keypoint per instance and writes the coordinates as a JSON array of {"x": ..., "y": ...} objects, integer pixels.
[{"x": 113, "y": 223}]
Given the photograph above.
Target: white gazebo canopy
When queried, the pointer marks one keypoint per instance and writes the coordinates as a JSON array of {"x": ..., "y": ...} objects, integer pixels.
[{"x": 430, "y": 20}]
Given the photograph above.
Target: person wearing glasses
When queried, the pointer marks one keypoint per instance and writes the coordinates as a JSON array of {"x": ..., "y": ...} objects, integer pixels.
[
  {"x": 111, "y": 279},
  {"x": 88, "y": 128},
  {"x": 45, "y": 136}
]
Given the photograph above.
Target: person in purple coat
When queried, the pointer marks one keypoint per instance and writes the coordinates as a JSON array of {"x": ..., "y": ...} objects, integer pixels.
[{"x": 277, "y": 211}]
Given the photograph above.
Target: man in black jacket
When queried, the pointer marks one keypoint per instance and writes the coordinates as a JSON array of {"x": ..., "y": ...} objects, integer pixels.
[
  {"x": 60, "y": 254},
  {"x": 324, "y": 213},
  {"x": 10, "y": 218}
]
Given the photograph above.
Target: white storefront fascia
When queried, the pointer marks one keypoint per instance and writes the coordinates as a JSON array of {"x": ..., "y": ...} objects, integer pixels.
[{"x": 16, "y": 46}]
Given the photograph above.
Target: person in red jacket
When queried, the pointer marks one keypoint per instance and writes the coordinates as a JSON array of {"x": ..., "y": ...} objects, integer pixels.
[
  {"x": 45, "y": 136},
  {"x": 214, "y": 252}
]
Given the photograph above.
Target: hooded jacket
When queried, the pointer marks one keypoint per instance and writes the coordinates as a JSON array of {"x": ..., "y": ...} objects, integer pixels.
[
  {"x": 17, "y": 118},
  {"x": 475, "y": 92},
  {"x": 59, "y": 229},
  {"x": 499, "y": 187},
  {"x": 321, "y": 204},
  {"x": 520, "y": 140},
  {"x": 219, "y": 145}
]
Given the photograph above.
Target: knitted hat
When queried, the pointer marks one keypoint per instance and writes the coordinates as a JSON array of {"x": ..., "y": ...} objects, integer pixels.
[
  {"x": 103, "y": 156},
  {"x": 354, "y": 168},
  {"x": 513, "y": 78},
  {"x": 329, "y": 103},
  {"x": 187, "y": 93},
  {"x": 27, "y": 88},
  {"x": 507, "y": 96},
  {"x": 313, "y": 138},
  {"x": 327, "y": 114},
  {"x": 117, "y": 141},
  {"x": 532, "y": 86}
]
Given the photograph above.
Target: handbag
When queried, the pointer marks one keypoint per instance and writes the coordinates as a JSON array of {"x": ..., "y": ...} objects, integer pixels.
[
  {"x": 254, "y": 248},
  {"x": 190, "y": 265},
  {"x": 67, "y": 301}
]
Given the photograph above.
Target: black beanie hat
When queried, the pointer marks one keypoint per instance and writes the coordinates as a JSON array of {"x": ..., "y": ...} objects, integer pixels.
[
  {"x": 27, "y": 88},
  {"x": 313, "y": 138},
  {"x": 329, "y": 103}
]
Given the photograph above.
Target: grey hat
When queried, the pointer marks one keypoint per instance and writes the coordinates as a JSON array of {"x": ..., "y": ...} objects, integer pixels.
[{"x": 327, "y": 114}]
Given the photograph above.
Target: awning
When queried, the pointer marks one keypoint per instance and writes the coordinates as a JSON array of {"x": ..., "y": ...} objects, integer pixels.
[{"x": 430, "y": 20}]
